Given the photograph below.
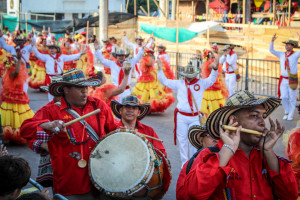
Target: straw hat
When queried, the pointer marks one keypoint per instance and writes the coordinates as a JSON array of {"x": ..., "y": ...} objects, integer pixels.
[
  {"x": 55, "y": 46},
  {"x": 189, "y": 71},
  {"x": 130, "y": 100},
  {"x": 73, "y": 77},
  {"x": 161, "y": 46},
  {"x": 139, "y": 38},
  {"x": 54, "y": 79},
  {"x": 121, "y": 51},
  {"x": 240, "y": 100},
  {"x": 292, "y": 42},
  {"x": 194, "y": 133}
]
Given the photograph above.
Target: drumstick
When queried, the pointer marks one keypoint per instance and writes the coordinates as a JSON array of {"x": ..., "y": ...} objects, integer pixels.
[
  {"x": 231, "y": 128},
  {"x": 82, "y": 117},
  {"x": 147, "y": 136}
]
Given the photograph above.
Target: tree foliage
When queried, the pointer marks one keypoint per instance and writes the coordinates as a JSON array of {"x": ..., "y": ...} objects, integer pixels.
[{"x": 139, "y": 3}]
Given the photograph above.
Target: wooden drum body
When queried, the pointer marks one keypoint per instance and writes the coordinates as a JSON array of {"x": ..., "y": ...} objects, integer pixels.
[{"x": 124, "y": 164}]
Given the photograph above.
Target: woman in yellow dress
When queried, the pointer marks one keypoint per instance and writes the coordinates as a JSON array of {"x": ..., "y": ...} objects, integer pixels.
[
  {"x": 38, "y": 76},
  {"x": 148, "y": 88},
  {"x": 14, "y": 108},
  {"x": 215, "y": 96}
]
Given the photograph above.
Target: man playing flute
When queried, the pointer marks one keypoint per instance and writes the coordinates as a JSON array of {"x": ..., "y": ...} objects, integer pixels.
[{"x": 245, "y": 167}]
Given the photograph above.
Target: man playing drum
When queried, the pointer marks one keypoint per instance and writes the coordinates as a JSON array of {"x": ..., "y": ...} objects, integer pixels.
[
  {"x": 131, "y": 162},
  {"x": 70, "y": 146},
  {"x": 130, "y": 111}
]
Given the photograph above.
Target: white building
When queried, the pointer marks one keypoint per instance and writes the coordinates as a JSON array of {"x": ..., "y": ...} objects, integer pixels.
[{"x": 62, "y": 9}]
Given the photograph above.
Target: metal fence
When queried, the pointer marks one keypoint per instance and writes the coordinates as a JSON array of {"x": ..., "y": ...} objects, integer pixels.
[{"x": 257, "y": 75}]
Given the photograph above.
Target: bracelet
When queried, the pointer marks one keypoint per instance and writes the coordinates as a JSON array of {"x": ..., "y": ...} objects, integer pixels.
[{"x": 229, "y": 147}]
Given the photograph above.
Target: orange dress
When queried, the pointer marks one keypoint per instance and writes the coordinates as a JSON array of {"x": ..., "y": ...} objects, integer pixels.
[
  {"x": 14, "y": 108},
  {"x": 149, "y": 90},
  {"x": 38, "y": 74},
  {"x": 70, "y": 64},
  {"x": 215, "y": 96}
]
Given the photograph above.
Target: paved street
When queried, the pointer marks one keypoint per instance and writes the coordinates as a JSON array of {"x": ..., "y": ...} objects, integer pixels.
[{"x": 162, "y": 123}]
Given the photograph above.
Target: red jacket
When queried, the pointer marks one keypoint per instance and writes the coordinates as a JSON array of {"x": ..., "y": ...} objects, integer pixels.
[
  {"x": 68, "y": 178},
  {"x": 147, "y": 130},
  {"x": 242, "y": 176}
]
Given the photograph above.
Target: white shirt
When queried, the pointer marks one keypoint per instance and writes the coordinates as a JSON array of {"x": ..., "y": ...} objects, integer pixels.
[
  {"x": 179, "y": 85},
  {"x": 8, "y": 48},
  {"x": 293, "y": 60},
  {"x": 231, "y": 60},
  {"x": 136, "y": 48},
  {"x": 26, "y": 50},
  {"x": 50, "y": 62},
  {"x": 115, "y": 69},
  {"x": 165, "y": 56}
]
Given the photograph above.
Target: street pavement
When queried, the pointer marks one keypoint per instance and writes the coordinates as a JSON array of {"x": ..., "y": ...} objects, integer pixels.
[{"x": 162, "y": 123}]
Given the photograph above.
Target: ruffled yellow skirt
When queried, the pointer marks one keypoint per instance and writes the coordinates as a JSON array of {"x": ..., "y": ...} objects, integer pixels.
[
  {"x": 38, "y": 77},
  {"x": 152, "y": 93},
  {"x": 212, "y": 100},
  {"x": 12, "y": 117}
]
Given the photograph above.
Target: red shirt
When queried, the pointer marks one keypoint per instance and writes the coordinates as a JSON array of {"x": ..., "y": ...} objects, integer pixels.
[
  {"x": 147, "y": 130},
  {"x": 242, "y": 176},
  {"x": 68, "y": 178}
]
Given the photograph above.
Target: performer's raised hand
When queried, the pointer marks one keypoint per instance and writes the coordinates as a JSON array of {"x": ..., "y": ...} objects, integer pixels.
[
  {"x": 124, "y": 33},
  {"x": 55, "y": 126},
  {"x": 159, "y": 64},
  {"x": 127, "y": 70},
  {"x": 271, "y": 136},
  {"x": 96, "y": 44},
  {"x": 274, "y": 37}
]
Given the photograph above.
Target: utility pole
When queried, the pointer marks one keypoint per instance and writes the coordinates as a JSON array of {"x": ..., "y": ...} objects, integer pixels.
[
  {"x": 103, "y": 19},
  {"x": 173, "y": 14}
]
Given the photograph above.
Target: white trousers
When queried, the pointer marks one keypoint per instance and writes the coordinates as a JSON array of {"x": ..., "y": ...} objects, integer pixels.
[
  {"x": 50, "y": 97},
  {"x": 289, "y": 98},
  {"x": 230, "y": 80},
  {"x": 137, "y": 75},
  {"x": 186, "y": 149},
  {"x": 124, "y": 94},
  {"x": 25, "y": 86}
]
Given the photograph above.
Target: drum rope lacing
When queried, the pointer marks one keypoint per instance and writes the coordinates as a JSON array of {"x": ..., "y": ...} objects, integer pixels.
[{"x": 157, "y": 163}]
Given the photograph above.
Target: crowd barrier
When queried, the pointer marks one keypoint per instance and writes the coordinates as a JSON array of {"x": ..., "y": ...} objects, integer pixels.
[{"x": 257, "y": 75}]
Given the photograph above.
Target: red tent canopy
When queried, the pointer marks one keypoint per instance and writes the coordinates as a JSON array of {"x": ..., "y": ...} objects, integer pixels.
[{"x": 217, "y": 6}]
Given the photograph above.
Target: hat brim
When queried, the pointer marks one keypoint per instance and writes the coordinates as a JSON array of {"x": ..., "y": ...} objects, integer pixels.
[
  {"x": 19, "y": 40},
  {"x": 297, "y": 46},
  {"x": 115, "y": 55},
  {"x": 56, "y": 89},
  {"x": 194, "y": 133},
  {"x": 188, "y": 75},
  {"x": 54, "y": 46},
  {"x": 115, "y": 107},
  {"x": 44, "y": 88},
  {"x": 222, "y": 114}
]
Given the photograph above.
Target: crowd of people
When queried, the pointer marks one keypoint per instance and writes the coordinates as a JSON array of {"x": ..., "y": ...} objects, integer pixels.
[{"x": 226, "y": 149}]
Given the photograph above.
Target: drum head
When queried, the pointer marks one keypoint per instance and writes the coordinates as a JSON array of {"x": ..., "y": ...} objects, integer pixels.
[{"x": 119, "y": 162}]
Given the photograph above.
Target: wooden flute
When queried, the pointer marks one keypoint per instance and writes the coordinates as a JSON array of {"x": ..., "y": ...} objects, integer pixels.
[{"x": 232, "y": 128}]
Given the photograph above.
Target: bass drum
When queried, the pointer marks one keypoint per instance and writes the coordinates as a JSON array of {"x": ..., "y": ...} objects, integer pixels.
[{"x": 124, "y": 164}]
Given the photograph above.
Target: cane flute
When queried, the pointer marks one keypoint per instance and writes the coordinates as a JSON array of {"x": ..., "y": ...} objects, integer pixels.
[
  {"x": 232, "y": 128},
  {"x": 82, "y": 117}
]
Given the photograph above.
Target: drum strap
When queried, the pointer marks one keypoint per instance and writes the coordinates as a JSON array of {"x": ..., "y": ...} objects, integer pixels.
[{"x": 92, "y": 133}]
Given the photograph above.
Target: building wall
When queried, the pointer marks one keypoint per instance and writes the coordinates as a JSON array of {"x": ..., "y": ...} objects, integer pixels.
[
  {"x": 3, "y": 6},
  {"x": 68, "y": 6}
]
